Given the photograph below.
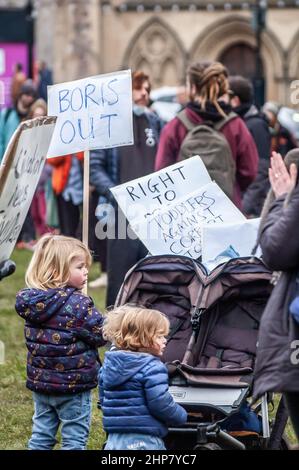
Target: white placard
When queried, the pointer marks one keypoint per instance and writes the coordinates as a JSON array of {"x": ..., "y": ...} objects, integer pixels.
[
  {"x": 144, "y": 197},
  {"x": 93, "y": 113},
  {"x": 241, "y": 236},
  {"x": 177, "y": 228},
  {"x": 21, "y": 168}
]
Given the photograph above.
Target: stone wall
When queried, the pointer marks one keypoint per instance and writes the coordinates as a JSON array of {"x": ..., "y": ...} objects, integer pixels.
[{"x": 85, "y": 37}]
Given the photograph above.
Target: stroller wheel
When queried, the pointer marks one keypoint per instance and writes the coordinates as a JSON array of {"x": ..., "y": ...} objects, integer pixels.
[{"x": 208, "y": 446}]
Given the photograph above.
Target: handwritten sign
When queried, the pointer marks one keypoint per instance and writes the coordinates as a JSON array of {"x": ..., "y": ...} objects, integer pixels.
[
  {"x": 144, "y": 197},
  {"x": 241, "y": 236},
  {"x": 93, "y": 113},
  {"x": 177, "y": 229},
  {"x": 21, "y": 168}
]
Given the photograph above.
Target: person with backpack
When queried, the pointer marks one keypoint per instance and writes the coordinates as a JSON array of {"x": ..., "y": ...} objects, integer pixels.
[
  {"x": 208, "y": 128},
  {"x": 241, "y": 99}
]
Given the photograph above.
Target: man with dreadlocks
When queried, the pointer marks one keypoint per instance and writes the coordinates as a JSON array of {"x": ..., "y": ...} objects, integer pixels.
[{"x": 207, "y": 86}]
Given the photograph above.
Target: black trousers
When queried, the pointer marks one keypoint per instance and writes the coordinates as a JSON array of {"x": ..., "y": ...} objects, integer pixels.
[
  {"x": 292, "y": 400},
  {"x": 122, "y": 254},
  {"x": 69, "y": 218},
  {"x": 98, "y": 247},
  {"x": 27, "y": 232}
]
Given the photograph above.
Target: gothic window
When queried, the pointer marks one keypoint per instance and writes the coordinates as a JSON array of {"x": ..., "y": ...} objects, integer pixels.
[{"x": 157, "y": 51}]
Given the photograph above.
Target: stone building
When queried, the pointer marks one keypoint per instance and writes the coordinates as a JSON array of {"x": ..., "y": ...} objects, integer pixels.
[{"x": 78, "y": 38}]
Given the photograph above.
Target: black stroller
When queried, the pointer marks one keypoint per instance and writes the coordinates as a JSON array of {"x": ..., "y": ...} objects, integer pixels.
[{"x": 210, "y": 353}]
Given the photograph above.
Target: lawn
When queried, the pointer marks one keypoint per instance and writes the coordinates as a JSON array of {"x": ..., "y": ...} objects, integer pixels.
[
  {"x": 15, "y": 400},
  {"x": 16, "y": 407}
]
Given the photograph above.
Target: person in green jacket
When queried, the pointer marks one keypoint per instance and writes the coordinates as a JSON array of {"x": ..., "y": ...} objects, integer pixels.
[{"x": 10, "y": 118}]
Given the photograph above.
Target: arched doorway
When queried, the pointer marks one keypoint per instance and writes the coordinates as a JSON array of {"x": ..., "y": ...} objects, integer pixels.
[{"x": 241, "y": 59}]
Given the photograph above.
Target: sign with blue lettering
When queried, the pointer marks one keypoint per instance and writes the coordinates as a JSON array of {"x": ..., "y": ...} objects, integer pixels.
[{"x": 92, "y": 113}]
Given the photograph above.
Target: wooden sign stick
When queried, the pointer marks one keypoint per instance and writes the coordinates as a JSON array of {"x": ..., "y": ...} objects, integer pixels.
[{"x": 85, "y": 203}]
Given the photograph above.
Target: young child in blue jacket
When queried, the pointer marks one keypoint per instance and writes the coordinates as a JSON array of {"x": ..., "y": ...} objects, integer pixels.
[
  {"x": 63, "y": 330},
  {"x": 136, "y": 404}
]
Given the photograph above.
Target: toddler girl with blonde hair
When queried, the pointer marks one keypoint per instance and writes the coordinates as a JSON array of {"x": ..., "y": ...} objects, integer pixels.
[{"x": 63, "y": 330}]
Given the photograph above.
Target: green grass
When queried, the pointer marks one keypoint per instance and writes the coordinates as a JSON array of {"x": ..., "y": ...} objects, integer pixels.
[{"x": 16, "y": 406}]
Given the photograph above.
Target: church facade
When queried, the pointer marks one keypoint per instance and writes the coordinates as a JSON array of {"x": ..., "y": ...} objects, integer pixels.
[{"x": 78, "y": 38}]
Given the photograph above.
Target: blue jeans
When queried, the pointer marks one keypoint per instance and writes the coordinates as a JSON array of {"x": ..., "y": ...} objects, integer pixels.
[
  {"x": 72, "y": 411},
  {"x": 132, "y": 441}
]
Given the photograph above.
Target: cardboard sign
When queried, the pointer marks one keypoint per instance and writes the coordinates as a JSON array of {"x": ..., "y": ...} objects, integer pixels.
[
  {"x": 21, "y": 168},
  {"x": 241, "y": 236},
  {"x": 93, "y": 113},
  {"x": 146, "y": 196},
  {"x": 177, "y": 228}
]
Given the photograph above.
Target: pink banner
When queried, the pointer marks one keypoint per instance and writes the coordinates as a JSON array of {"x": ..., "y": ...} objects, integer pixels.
[{"x": 10, "y": 55}]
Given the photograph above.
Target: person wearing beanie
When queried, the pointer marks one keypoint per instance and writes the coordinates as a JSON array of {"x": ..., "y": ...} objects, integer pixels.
[
  {"x": 282, "y": 141},
  {"x": 241, "y": 99},
  {"x": 10, "y": 118}
]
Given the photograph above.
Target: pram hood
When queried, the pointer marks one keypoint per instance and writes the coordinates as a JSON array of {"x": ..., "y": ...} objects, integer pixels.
[{"x": 214, "y": 317}]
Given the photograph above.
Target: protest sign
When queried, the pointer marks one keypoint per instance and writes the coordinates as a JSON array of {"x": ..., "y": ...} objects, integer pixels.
[
  {"x": 177, "y": 228},
  {"x": 21, "y": 168},
  {"x": 92, "y": 113},
  {"x": 144, "y": 197},
  {"x": 241, "y": 236}
]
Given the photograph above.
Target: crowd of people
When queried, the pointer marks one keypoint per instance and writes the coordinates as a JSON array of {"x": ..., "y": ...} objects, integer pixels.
[
  {"x": 137, "y": 407},
  {"x": 246, "y": 135}
]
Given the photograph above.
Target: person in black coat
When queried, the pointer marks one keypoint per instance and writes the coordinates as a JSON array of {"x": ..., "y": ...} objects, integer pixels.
[
  {"x": 241, "y": 99},
  {"x": 111, "y": 167},
  {"x": 277, "y": 360}
]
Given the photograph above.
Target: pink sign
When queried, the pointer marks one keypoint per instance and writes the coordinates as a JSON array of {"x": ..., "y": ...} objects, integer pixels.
[{"x": 10, "y": 55}]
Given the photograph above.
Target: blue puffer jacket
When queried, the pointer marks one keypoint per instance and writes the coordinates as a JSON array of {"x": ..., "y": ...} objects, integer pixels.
[
  {"x": 134, "y": 395},
  {"x": 63, "y": 330}
]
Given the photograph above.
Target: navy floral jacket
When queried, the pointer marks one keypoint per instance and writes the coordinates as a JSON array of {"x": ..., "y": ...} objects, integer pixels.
[{"x": 63, "y": 330}]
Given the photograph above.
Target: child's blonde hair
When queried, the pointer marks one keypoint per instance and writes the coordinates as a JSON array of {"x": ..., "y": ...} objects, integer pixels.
[
  {"x": 50, "y": 264},
  {"x": 134, "y": 328}
]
